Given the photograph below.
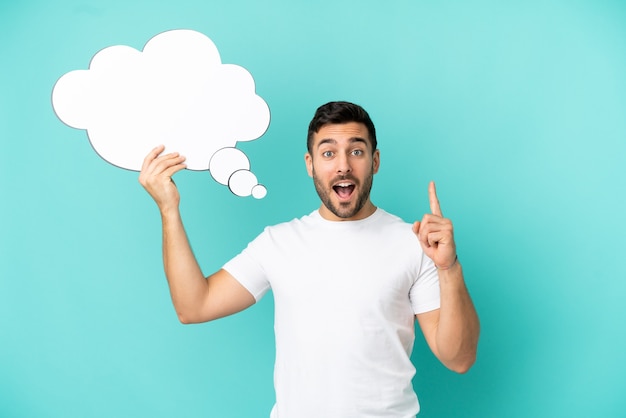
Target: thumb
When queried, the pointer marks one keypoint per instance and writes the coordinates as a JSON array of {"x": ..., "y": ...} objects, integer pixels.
[{"x": 416, "y": 227}]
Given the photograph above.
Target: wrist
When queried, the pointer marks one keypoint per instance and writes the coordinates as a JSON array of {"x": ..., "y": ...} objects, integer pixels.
[
  {"x": 449, "y": 266},
  {"x": 170, "y": 213}
]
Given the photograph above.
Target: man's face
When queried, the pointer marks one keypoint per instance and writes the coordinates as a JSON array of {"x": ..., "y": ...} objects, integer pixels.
[{"x": 342, "y": 166}]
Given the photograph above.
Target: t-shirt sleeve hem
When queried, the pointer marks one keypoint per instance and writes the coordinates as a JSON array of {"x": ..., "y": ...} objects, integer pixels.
[
  {"x": 256, "y": 290},
  {"x": 426, "y": 307}
]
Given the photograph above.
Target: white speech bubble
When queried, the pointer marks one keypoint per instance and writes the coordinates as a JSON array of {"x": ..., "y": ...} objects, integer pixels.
[{"x": 175, "y": 92}]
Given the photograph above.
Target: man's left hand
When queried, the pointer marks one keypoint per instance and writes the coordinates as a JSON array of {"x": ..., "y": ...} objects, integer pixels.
[{"x": 435, "y": 233}]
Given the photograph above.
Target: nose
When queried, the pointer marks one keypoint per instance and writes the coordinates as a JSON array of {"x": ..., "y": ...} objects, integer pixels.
[{"x": 343, "y": 164}]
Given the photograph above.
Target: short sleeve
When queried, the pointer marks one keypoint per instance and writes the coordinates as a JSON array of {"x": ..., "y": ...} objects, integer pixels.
[
  {"x": 424, "y": 293},
  {"x": 247, "y": 267}
]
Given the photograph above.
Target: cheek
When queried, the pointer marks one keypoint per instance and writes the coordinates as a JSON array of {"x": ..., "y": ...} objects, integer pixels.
[{"x": 320, "y": 170}]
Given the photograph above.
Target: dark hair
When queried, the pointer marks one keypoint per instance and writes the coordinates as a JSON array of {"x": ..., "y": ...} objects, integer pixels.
[{"x": 337, "y": 113}]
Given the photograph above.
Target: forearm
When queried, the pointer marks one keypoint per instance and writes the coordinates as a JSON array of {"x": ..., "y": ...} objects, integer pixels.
[
  {"x": 187, "y": 284},
  {"x": 458, "y": 327}
]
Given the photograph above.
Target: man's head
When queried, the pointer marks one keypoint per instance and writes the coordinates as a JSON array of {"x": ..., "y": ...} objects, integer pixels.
[
  {"x": 342, "y": 159},
  {"x": 339, "y": 113}
]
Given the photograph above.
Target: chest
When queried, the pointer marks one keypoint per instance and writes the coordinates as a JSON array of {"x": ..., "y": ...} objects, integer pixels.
[{"x": 365, "y": 270}]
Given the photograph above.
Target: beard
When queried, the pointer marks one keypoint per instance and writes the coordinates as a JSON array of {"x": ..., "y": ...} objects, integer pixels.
[{"x": 347, "y": 209}]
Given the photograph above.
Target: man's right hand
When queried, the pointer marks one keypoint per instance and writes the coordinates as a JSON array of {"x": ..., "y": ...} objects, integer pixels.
[{"x": 156, "y": 177}]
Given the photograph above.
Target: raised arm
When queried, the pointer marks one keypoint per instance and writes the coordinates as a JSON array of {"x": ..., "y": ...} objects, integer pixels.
[
  {"x": 452, "y": 330},
  {"x": 196, "y": 298}
]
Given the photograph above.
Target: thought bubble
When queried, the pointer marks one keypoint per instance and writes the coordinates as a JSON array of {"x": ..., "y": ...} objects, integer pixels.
[
  {"x": 174, "y": 92},
  {"x": 231, "y": 167}
]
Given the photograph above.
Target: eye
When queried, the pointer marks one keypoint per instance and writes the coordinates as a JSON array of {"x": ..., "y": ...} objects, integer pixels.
[
  {"x": 357, "y": 152},
  {"x": 327, "y": 154}
]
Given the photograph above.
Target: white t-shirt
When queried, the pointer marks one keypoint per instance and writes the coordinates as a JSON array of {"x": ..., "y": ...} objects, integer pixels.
[{"x": 345, "y": 297}]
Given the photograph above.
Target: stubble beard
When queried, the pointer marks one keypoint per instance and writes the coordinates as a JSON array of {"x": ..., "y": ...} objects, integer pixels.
[{"x": 345, "y": 210}]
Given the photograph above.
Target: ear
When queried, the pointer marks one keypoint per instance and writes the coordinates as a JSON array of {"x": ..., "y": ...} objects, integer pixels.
[
  {"x": 376, "y": 161},
  {"x": 308, "y": 160}
]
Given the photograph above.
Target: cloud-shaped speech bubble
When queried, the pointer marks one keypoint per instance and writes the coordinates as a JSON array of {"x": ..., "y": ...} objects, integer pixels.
[{"x": 175, "y": 92}]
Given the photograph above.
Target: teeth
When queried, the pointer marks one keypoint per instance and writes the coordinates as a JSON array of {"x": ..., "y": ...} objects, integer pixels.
[{"x": 344, "y": 184}]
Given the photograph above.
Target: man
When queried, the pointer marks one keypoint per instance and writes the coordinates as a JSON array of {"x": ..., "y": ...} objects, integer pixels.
[{"x": 348, "y": 280}]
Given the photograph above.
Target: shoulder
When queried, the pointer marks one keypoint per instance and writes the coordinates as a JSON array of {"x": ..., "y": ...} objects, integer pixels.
[
  {"x": 384, "y": 216},
  {"x": 285, "y": 230},
  {"x": 388, "y": 220},
  {"x": 394, "y": 229},
  {"x": 304, "y": 222}
]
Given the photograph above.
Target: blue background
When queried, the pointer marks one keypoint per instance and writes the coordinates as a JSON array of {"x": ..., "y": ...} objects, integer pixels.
[{"x": 516, "y": 109}]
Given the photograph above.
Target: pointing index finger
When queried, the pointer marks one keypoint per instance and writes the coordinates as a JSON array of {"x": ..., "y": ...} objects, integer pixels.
[{"x": 434, "y": 201}]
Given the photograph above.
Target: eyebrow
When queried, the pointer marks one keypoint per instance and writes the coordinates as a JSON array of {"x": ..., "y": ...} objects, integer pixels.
[{"x": 333, "y": 141}]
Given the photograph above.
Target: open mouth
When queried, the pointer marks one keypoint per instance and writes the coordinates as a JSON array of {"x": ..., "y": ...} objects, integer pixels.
[{"x": 344, "y": 190}]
